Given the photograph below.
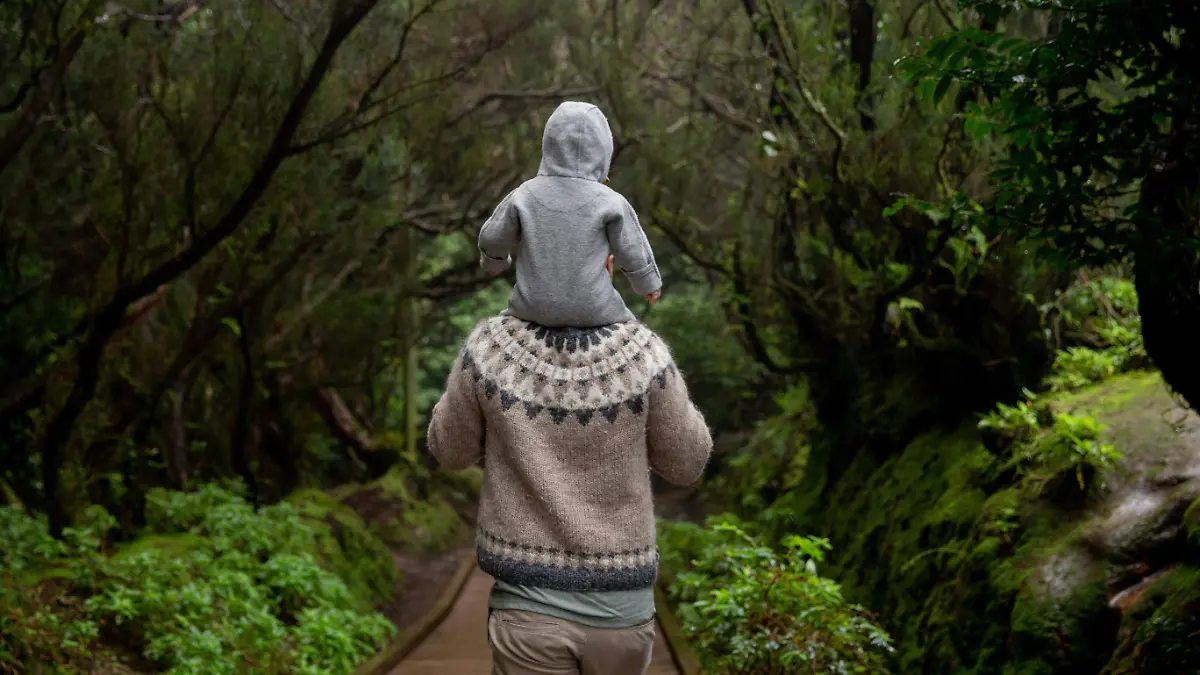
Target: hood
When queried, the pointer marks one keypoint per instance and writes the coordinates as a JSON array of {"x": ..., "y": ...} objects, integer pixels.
[{"x": 577, "y": 143}]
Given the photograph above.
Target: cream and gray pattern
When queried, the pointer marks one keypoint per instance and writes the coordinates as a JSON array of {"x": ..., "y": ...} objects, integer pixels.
[
  {"x": 569, "y": 423},
  {"x": 577, "y": 373}
]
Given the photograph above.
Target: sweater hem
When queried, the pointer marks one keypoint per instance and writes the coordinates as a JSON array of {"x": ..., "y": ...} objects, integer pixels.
[{"x": 564, "y": 578}]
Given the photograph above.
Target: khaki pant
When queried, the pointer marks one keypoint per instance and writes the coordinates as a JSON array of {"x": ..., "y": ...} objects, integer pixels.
[{"x": 525, "y": 643}]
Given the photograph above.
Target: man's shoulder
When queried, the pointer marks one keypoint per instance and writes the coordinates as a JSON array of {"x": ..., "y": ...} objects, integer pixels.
[{"x": 592, "y": 367}]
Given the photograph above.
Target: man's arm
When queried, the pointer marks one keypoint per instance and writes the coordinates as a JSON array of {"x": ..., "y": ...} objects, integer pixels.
[
  {"x": 677, "y": 436},
  {"x": 632, "y": 250},
  {"x": 498, "y": 236},
  {"x": 456, "y": 429}
]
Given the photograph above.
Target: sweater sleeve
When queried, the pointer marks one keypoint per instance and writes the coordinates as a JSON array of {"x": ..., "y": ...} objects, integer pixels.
[
  {"x": 631, "y": 249},
  {"x": 456, "y": 428},
  {"x": 677, "y": 436},
  {"x": 498, "y": 236}
]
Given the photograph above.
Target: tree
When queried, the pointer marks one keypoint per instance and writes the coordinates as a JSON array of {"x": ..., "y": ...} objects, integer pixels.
[
  {"x": 1097, "y": 103},
  {"x": 203, "y": 207},
  {"x": 772, "y": 156}
]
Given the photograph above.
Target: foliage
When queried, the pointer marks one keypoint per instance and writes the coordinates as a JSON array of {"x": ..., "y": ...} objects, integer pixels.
[
  {"x": 772, "y": 462},
  {"x": 721, "y": 376},
  {"x": 1086, "y": 106},
  {"x": 751, "y": 608},
  {"x": 1045, "y": 443},
  {"x": 1093, "y": 101},
  {"x": 1097, "y": 324},
  {"x": 220, "y": 587}
]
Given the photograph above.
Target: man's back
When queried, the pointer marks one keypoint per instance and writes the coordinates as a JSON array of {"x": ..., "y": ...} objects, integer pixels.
[{"x": 571, "y": 422}]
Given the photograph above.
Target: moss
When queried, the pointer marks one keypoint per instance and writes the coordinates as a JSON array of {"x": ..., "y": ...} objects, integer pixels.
[
  {"x": 348, "y": 548},
  {"x": 1191, "y": 524},
  {"x": 1135, "y": 407},
  {"x": 1062, "y": 620},
  {"x": 904, "y": 527},
  {"x": 973, "y": 573},
  {"x": 419, "y": 511},
  {"x": 1160, "y": 635},
  {"x": 1112, "y": 395},
  {"x": 428, "y": 526}
]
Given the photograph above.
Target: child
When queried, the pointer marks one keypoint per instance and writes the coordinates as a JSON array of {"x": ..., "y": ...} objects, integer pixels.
[{"x": 564, "y": 224}]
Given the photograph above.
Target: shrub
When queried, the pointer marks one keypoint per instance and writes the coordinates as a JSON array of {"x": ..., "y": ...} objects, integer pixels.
[
  {"x": 221, "y": 587},
  {"x": 752, "y": 608}
]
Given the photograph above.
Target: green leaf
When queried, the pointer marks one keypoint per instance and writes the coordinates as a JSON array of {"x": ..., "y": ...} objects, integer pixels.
[
  {"x": 233, "y": 326},
  {"x": 895, "y": 208},
  {"x": 943, "y": 86}
]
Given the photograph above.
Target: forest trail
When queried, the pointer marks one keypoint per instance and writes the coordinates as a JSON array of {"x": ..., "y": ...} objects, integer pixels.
[{"x": 459, "y": 646}]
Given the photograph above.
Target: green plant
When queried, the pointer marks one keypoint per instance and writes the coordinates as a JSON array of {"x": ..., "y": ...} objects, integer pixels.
[
  {"x": 1020, "y": 421},
  {"x": 1073, "y": 443},
  {"x": 1076, "y": 367},
  {"x": 223, "y": 587},
  {"x": 752, "y": 608}
]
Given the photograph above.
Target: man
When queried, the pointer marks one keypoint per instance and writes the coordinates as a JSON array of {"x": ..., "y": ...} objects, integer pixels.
[{"x": 571, "y": 422}]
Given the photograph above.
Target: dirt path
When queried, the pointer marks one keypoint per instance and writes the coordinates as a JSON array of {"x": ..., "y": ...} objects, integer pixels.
[{"x": 459, "y": 645}]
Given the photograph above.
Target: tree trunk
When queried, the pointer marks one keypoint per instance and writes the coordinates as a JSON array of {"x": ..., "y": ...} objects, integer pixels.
[
  {"x": 177, "y": 441},
  {"x": 410, "y": 385},
  {"x": 1167, "y": 273},
  {"x": 409, "y": 325},
  {"x": 239, "y": 444}
]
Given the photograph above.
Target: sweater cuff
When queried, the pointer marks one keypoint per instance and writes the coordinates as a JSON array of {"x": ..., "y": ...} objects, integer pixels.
[
  {"x": 645, "y": 280},
  {"x": 493, "y": 265}
]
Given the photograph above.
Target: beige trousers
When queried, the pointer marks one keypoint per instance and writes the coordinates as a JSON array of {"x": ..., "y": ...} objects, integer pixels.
[{"x": 525, "y": 643}]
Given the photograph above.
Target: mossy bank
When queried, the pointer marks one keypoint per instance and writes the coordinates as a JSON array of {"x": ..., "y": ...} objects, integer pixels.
[
  {"x": 978, "y": 568},
  {"x": 216, "y": 585}
]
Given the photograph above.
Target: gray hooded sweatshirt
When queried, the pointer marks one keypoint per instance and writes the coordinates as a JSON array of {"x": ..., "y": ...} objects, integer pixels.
[{"x": 561, "y": 227}]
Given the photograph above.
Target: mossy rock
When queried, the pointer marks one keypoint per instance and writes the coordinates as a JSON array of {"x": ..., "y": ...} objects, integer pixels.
[
  {"x": 1158, "y": 536},
  {"x": 940, "y": 540},
  {"x": 425, "y": 512},
  {"x": 348, "y": 548},
  {"x": 428, "y": 527},
  {"x": 1137, "y": 409},
  {"x": 1062, "y": 620},
  {"x": 901, "y": 533}
]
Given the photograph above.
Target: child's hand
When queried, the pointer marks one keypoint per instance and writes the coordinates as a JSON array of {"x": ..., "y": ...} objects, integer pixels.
[
  {"x": 653, "y": 296},
  {"x": 608, "y": 265}
]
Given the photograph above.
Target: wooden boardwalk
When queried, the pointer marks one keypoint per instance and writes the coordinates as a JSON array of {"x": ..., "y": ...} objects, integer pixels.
[{"x": 458, "y": 646}]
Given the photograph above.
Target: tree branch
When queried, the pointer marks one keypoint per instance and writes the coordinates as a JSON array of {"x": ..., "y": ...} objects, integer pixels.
[{"x": 347, "y": 15}]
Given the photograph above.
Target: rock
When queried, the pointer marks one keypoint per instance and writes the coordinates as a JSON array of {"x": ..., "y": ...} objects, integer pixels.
[
  {"x": 1145, "y": 525},
  {"x": 1062, "y": 619}
]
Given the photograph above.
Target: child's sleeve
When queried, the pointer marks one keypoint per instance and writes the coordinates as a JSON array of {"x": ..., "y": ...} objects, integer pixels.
[
  {"x": 631, "y": 249},
  {"x": 498, "y": 236}
]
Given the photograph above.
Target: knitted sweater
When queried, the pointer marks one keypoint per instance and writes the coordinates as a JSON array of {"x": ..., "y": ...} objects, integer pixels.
[{"x": 569, "y": 423}]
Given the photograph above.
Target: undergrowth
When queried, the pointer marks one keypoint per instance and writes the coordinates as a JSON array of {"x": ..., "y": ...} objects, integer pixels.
[
  {"x": 218, "y": 587},
  {"x": 751, "y": 608}
]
